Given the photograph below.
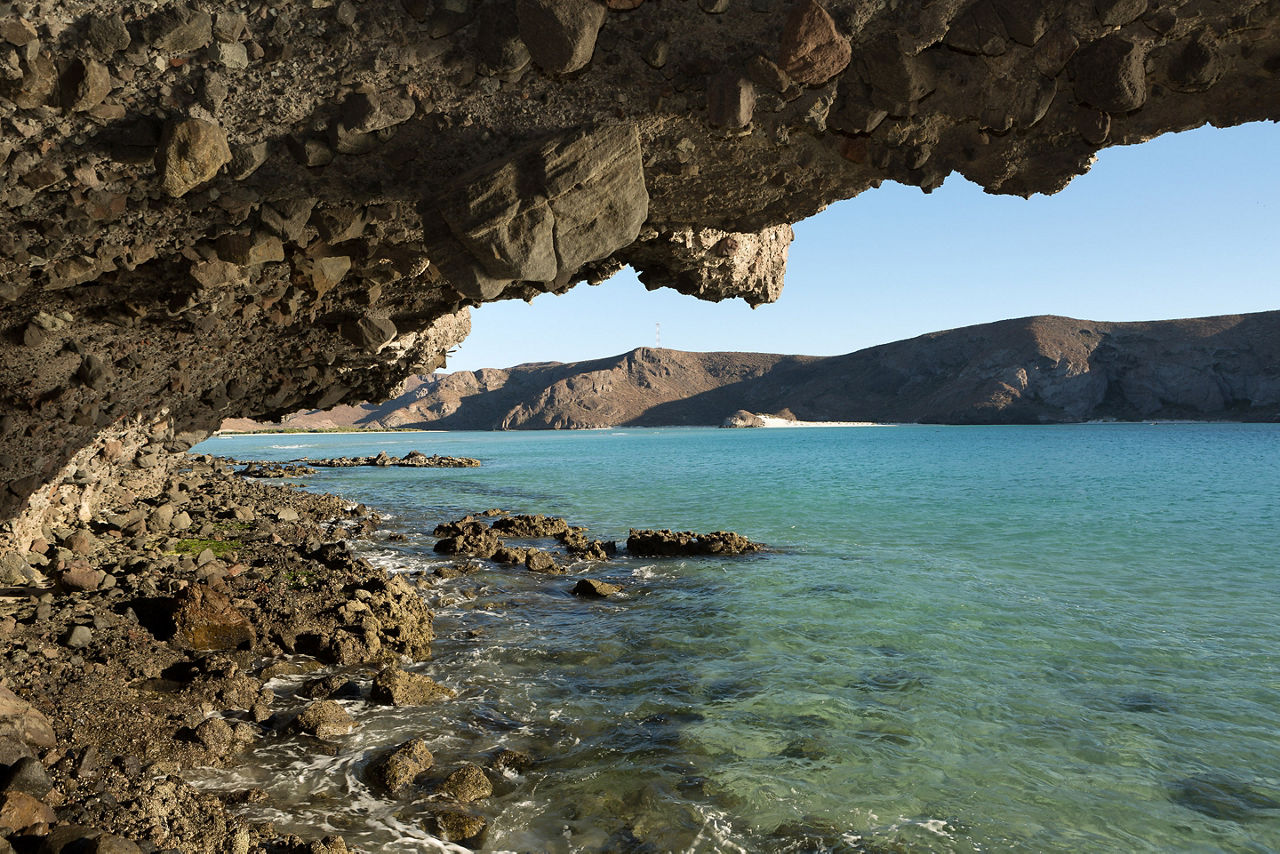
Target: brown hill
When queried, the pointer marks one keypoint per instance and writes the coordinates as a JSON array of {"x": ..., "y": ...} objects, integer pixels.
[{"x": 1043, "y": 369}]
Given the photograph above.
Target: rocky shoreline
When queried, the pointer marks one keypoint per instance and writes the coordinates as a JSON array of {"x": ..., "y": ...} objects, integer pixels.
[{"x": 150, "y": 652}]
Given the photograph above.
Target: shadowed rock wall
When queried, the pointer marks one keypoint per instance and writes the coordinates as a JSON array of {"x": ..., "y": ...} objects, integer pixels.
[{"x": 249, "y": 208}]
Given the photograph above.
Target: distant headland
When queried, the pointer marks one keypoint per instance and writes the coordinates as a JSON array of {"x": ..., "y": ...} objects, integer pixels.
[{"x": 1035, "y": 370}]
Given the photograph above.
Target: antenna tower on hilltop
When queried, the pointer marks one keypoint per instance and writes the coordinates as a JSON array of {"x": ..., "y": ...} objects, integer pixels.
[{"x": 657, "y": 330}]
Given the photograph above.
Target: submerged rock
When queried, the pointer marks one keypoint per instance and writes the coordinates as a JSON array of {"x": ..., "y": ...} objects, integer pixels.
[
  {"x": 592, "y": 588},
  {"x": 1222, "y": 796},
  {"x": 468, "y": 783},
  {"x": 396, "y": 687},
  {"x": 458, "y": 827}
]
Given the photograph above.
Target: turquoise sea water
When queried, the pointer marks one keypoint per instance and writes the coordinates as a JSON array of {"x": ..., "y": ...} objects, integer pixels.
[{"x": 1049, "y": 639}]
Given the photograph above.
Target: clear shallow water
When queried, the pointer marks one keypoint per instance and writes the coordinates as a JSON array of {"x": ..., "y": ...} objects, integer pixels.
[{"x": 969, "y": 639}]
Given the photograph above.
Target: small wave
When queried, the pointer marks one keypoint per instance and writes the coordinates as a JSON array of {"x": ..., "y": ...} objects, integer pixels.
[{"x": 290, "y": 447}]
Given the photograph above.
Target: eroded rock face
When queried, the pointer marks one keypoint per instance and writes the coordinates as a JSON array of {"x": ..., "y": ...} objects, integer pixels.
[{"x": 215, "y": 210}]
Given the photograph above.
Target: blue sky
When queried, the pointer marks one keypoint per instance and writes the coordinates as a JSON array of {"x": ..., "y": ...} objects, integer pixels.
[{"x": 1183, "y": 226}]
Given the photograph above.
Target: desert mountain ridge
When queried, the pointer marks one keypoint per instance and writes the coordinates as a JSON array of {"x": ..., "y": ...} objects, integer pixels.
[{"x": 1042, "y": 369}]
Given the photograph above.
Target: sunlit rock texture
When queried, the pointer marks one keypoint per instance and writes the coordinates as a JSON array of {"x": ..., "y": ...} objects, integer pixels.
[{"x": 249, "y": 208}]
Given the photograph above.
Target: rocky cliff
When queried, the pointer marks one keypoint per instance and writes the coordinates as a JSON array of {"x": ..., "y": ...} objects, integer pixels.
[
  {"x": 248, "y": 207},
  {"x": 1030, "y": 370}
]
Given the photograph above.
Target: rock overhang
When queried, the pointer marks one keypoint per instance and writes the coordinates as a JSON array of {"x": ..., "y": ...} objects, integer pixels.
[{"x": 252, "y": 208}]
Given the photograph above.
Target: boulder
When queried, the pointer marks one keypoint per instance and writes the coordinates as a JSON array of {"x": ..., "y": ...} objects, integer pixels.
[
  {"x": 19, "y": 719},
  {"x": 206, "y": 619},
  {"x": 108, "y": 34},
  {"x": 368, "y": 112},
  {"x": 323, "y": 719},
  {"x": 191, "y": 152},
  {"x": 460, "y": 828},
  {"x": 368, "y": 333},
  {"x": 510, "y": 555},
  {"x": 82, "y": 579},
  {"x": 560, "y": 34},
  {"x": 179, "y": 29},
  {"x": 22, "y": 812},
  {"x": 85, "y": 84},
  {"x": 29, "y": 776},
  {"x": 402, "y": 766},
  {"x": 78, "y": 637},
  {"x": 396, "y": 687},
  {"x": 468, "y": 783},
  {"x": 592, "y": 588},
  {"x": 109, "y": 843},
  {"x": 483, "y": 544},
  {"x": 537, "y": 560}
]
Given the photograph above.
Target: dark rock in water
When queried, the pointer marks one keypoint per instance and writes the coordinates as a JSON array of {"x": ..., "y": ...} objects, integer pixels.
[
  {"x": 206, "y": 619},
  {"x": 413, "y": 459},
  {"x": 524, "y": 527},
  {"x": 275, "y": 470},
  {"x": 813, "y": 834},
  {"x": 665, "y": 543},
  {"x": 458, "y": 827},
  {"x": 1144, "y": 701},
  {"x": 482, "y": 545},
  {"x": 537, "y": 560},
  {"x": 579, "y": 546},
  {"x": 468, "y": 783},
  {"x": 511, "y": 760},
  {"x": 891, "y": 680},
  {"x": 324, "y": 719},
  {"x": 1222, "y": 796},
  {"x": 335, "y": 686},
  {"x": 805, "y": 747},
  {"x": 396, "y": 687},
  {"x": 402, "y": 766},
  {"x": 592, "y": 588},
  {"x": 467, "y": 526},
  {"x": 510, "y": 555}
]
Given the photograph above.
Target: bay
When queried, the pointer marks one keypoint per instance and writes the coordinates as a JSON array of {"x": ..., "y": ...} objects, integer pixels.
[{"x": 962, "y": 639}]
